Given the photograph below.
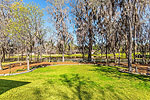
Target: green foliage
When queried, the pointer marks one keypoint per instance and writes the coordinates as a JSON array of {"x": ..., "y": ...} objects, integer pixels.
[
  {"x": 18, "y": 70},
  {"x": 24, "y": 18}
]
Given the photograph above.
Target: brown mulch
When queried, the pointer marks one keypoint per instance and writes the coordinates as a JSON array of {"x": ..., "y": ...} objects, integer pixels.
[
  {"x": 12, "y": 68},
  {"x": 144, "y": 69},
  {"x": 17, "y": 66}
]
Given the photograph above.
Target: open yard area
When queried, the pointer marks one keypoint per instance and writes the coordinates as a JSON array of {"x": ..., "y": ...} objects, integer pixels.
[
  {"x": 74, "y": 49},
  {"x": 75, "y": 82}
]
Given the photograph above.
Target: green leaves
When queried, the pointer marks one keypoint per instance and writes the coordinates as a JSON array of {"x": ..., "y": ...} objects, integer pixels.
[{"x": 23, "y": 22}]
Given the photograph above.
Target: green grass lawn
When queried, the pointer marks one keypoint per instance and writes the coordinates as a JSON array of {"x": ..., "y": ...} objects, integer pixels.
[
  {"x": 75, "y": 82},
  {"x": 7, "y": 63},
  {"x": 122, "y": 55}
]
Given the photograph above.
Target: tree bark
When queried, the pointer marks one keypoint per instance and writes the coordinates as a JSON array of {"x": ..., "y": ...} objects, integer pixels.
[
  {"x": 22, "y": 55},
  {"x": 41, "y": 56},
  {"x": 135, "y": 44},
  {"x": 114, "y": 53},
  {"x": 63, "y": 58},
  {"x": 130, "y": 47},
  {"x": 18, "y": 56},
  {"x": 90, "y": 46},
  {"x": 119, "y": 54},
  {"x": 83, "y": 53},
  {"x": 106, "y": 50},
  {"x": 1, "y": 63},
  {"x": 3, "y": 54},
  {"x": 28, "y": 62}
]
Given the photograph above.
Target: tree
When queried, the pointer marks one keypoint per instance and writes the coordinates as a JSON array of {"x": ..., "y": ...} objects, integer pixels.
[
  {"x": 58, "y": 11},
  {"x": 24, "y": 25},
  {"x": 4, "y": 36},
  {"x": 84, "y": 14}
]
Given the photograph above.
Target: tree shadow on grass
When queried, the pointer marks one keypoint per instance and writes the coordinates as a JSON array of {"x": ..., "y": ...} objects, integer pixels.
[
  {"x": 6, "y": 85},
  {"x": 113, "y": 71},
  {"x": 80, "y": 84},
  {"x": 81, "y": 87},
  {"x": 38, "y": 94}
]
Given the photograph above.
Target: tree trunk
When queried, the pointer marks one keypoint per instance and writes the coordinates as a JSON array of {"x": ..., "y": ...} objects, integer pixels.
[
  {"x": 135, "y": 44},
  {"x": 50, "y": 58},
  {"x": 41, "y": 56},
  {"x": 90, "y": 49},
  {"x": 1, "y": 63},
  {"x": 90, "y": 37},
  {"x": 63, "y": 51},
  {"x": 38, "y": 56},
  {"x": 114, "y": 56},
  {"x": 130, "y": 46},
  {"x": 9, "y": 55},
  {"x": 106, "y": 50},
  {"x": 28, "y": 62},
  {"x": 22, "y": 55},
  {"x": 63, "y": 58},
  {"x": 3, "y": 54},
  {"x": 83, "y": 53},
  {"x": 18, "y": 56},
  {"x": 31, "y": 56},
  {"x": 119, "y": 56}
]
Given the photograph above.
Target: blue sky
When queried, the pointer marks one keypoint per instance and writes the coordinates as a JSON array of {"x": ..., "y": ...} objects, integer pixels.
[{"x": 43, "y": 4}]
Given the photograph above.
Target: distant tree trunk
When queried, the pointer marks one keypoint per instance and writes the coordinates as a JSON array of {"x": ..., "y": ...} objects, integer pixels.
[
  {"x": 135, "y": 44},
  {"x": 18, "y": 54},
  {"x": 101, "y": 55},
  {"x": 106, "y": 50},
  {"x": 9, "y": 55},
  {"x": 41, "y": 56},
  {"x": 22, "y": 55},
  {"x": 31, "y": 56},
  {"x": 1, "y": 63},
  {"x": 90, "y": 46},
  {"x": 28, "y": 61},
  {"x": 142, "y": 51},
  {"x": 119, "y": 57},
  {"x": 38, "y": 56},
  {"x": 149, "y": 48},
  {"x": 114, "y": 53},
  {"x": 83, "y": 53},
  {"x": 50, "y": 58},
  {"x": 119, "y": 54},
  {"x": 31, "y": 53},
  {"x": 3, "y": 54},
  {"x": 144, "y": 54},
  {"x": 63, "y": 58},
  {"x": 18, "y": 58}
]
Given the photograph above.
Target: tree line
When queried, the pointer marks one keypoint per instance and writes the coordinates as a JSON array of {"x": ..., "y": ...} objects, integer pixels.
[
  {"x": 113, "y": 25},
  {"x": 107, "y": 26}
]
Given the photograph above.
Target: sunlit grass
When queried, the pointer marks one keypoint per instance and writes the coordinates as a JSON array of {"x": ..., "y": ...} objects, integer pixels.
[
  {"x": 7, "y": 63},
  {"x": 122, "y": 55},
  {"x": 75, "y": 82}
]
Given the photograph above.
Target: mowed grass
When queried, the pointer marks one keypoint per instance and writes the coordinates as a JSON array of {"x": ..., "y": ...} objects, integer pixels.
[{"x": 75, "y": 82}]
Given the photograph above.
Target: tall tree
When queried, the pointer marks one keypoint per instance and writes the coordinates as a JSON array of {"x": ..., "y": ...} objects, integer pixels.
[
  {"x": 23, "y": 25},
  {"x": 59, "y": 13}
]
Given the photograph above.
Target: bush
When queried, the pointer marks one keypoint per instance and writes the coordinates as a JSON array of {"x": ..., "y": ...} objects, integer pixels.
[{"x": 18, "y": 70}]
